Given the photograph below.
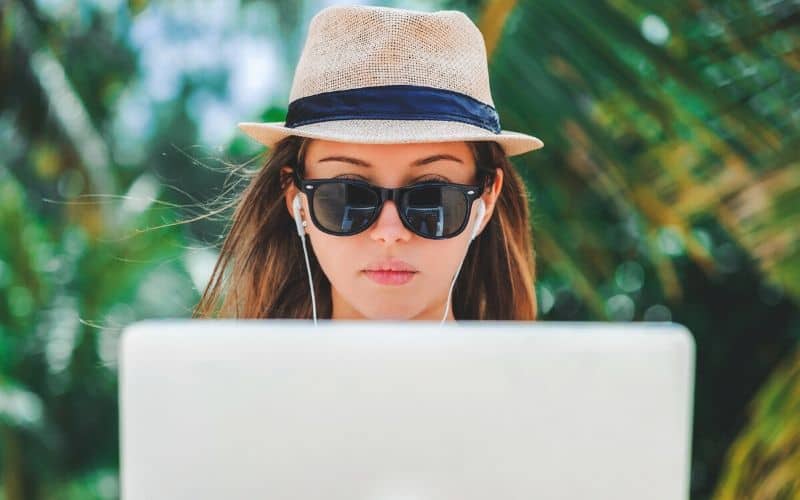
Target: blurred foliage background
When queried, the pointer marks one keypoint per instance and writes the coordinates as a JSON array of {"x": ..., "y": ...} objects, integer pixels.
[{"x": 668, "y": 189}]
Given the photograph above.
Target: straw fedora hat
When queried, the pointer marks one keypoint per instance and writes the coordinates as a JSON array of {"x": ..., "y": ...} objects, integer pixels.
[{"x": 383, "y": 75}]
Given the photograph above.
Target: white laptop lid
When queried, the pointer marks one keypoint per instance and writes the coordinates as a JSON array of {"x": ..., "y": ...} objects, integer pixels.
[{"x": 274, "y": 409}]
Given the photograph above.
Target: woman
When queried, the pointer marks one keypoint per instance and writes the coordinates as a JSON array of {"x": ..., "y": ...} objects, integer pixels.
[{"x": 392, "y": 163}]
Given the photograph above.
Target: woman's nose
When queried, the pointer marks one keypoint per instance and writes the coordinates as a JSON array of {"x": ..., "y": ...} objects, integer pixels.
[{"x": 389, "y": 228}]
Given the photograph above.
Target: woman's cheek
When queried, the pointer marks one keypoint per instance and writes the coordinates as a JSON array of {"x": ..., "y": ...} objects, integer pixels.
[
  {"x": 439, "y": 261},
  {"x": 341, "y": 258}
]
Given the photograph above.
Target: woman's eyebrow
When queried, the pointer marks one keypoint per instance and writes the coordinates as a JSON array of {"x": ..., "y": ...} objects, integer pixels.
[{"x": 415, "y": 163}]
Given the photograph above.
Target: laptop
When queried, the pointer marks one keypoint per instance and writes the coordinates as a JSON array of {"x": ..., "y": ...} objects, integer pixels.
[{"x": 373, "y": 410}]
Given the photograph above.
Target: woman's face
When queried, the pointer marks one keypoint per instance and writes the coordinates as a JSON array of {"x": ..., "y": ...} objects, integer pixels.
[{"x": 358, "y": 290}]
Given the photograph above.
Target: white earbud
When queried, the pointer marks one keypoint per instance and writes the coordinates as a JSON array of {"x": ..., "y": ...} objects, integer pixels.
[
  {"x": 298, "y": 219},
  {"x": 479, "y": 219}
]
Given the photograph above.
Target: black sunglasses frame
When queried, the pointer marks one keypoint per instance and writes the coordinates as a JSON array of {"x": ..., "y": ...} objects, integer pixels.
[{"x": 309, "y": 187}]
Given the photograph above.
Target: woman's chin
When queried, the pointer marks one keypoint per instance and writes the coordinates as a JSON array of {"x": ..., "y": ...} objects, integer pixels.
[{"x": 395, "y": 313}]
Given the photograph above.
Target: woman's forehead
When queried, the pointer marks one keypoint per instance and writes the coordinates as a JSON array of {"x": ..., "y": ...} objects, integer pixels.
[{"x": 398, "y": 155}]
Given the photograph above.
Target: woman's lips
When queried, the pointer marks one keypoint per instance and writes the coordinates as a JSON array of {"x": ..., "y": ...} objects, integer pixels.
[
  {"x": 390, "y": 271},
  {"x": 390, "y": 277}
]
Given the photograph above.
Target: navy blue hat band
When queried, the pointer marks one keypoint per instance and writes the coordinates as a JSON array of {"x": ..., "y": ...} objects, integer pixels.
[{"x": 392, "y": 102}]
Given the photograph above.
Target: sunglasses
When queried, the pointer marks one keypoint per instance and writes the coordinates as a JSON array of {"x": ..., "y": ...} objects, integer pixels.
[{"x": 431, "y": 209}]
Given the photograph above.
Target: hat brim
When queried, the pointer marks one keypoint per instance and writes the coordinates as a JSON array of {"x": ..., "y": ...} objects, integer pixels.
[{"x": 392, "y": 132}]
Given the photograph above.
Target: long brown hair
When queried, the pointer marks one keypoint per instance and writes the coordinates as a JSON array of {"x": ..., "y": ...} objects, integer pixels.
[{"x": 261, "y": 271}]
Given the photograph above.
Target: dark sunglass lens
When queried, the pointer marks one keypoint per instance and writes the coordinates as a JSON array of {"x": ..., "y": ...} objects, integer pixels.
[
  {"x": 435, "y": 211},
  {"x": 344, "y": 208}
]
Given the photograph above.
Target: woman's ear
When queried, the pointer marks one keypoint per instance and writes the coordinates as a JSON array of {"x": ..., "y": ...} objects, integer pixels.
[
  {"x": 490, "y": 196},
  {"x": 291, "y": 191}
]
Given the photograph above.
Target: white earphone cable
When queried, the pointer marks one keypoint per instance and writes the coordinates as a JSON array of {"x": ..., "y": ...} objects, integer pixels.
[
  {"x": 452, "y": 284},
  {"x": 310, "y": 282}
]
